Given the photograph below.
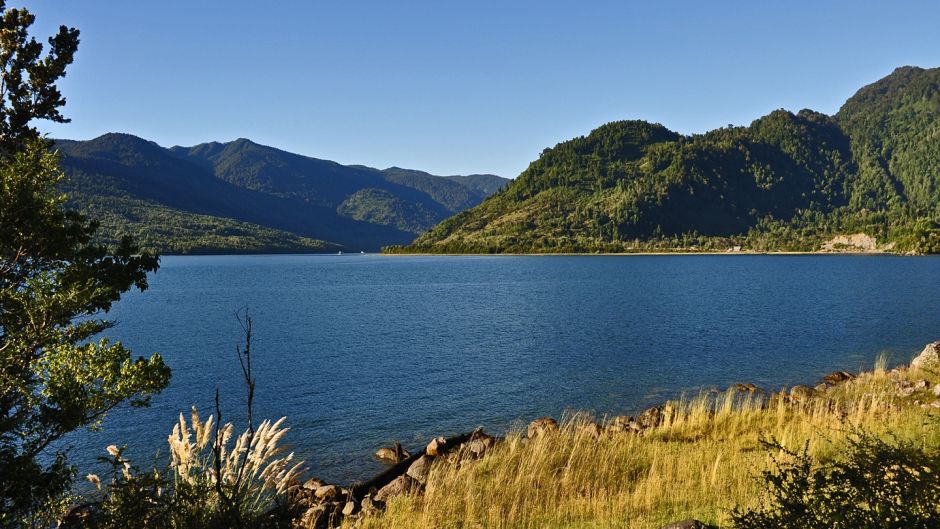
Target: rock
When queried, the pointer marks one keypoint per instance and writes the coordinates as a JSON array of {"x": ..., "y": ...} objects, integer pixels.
[
  {"x": 906, "y": 391},
  {"x": 83, "y": 515},
  {"x": 821, "y": 387},
  {"x": 921, "y": 384},
  {"x": 313, "y": 484},
  {"x": 437, "y": 447},
  {"x": 651, "y": 418},
  {"x": 622, "y": 424},
  {"x": 591, "y": 429},
  {"x": 838, "y": 377},
  {"x": 745, "y": 388},
  {"x": 929, "y": 358},
  {"x": 687, "y": 524},
  {"x": 476, "y": 447},
  {"x": 370, "y": 506},
  {"x": 403, "y": 484},
  {"x": 801, "y": 393},
  {"x": 392, "y": 455},
  {"x": 541, "y": 426},
  {"x": 420, "y": 468},
  {"x": 936, "y": 390},
  {"x": 350, "y": 508},
  {"x": 319, "y": 516},
  {"x": 479, "y": 444},
  {"x": 326, "y": 492}
]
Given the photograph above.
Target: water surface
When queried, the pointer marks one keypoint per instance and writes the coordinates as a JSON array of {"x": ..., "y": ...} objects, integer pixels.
[{"x": 361, "y": 350}]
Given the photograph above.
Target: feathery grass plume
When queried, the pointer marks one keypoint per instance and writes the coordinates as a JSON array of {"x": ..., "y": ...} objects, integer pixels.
[{"x": 266, "y": 471}]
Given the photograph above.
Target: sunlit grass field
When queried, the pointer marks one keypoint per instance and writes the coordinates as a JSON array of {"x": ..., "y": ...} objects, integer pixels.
[{"x": 701, "y": 462}]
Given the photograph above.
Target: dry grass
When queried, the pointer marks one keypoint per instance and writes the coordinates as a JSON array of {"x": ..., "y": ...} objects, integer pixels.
[{"x": 699, "y": 463}]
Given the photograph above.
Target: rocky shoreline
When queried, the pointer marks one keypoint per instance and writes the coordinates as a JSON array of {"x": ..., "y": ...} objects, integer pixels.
[{"x": 327, "y": 506}]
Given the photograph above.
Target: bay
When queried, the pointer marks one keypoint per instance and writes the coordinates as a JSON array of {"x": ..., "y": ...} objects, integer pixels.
[{"x": 358, "y": 351}]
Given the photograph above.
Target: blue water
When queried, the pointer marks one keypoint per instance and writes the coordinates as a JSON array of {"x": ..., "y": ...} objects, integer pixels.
[{"x": 361, "y": 350}]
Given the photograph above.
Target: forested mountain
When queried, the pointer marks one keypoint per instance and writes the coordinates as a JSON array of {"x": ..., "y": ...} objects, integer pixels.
[
  {"x": 243, "y": 197},
  {"x": 801, "y": 181}
]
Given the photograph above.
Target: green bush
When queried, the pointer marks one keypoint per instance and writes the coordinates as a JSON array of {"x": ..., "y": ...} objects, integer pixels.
[{"x": 876, "y": 484}]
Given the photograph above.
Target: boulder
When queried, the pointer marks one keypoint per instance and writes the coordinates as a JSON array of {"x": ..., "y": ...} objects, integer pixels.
[
  {"x": 313, "y": 484},
  {"x": 477, "y": 447},
  {"x": 420, "y": 468},
  {"x": 83, "y": 515},
  {"x": 403, "y": 484},
  {"x": 929, "y": 358},
  {"x": 745, "y": 388},
  {"x": 801, "y": 393},
  {"x": 392, "y": 455},
  {"x": 479, "y": 444},
  {"x": 654, "y": 417},
  {"x": 622, "y": 424},
  {"x": 350, "y": 508},
  {"x": 936, "y": 390},
  {"x": 370, "y": 506},
  {"x": 326, "y": 492},
  {"x": 838, "y": 378},
  {"x": 541, "y": 426},
  {"x": 437, "y": 447},
  {"x": 320, "y": 516},
  {"x": 921, "y": 384},
  {"x": 687, "y": 524},
  {"x": 591, "y": 429}
]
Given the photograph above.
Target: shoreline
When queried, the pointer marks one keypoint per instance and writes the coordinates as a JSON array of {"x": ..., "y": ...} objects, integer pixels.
[
  {"x": 742, "y": 410},
  {"x": 551, "y": 254}
]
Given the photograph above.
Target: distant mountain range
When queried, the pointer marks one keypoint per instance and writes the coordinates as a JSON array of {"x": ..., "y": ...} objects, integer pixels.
[
  {"x": 241, "y": 197},
  {"x": 803, "y": 181}
]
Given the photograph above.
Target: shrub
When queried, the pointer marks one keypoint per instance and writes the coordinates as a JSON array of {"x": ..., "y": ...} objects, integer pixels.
[{"x": 876, "y": 484}]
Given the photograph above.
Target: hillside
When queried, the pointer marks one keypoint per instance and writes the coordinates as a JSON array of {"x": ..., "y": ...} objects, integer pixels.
[
  {"x": 785, "y": 182},
  {"x": 241, "y": 197}
]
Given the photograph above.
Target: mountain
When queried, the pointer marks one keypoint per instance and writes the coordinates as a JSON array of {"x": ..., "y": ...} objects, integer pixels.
[
  {"x": 803, "y": 181},
  {"x": 243, "y": 197}
]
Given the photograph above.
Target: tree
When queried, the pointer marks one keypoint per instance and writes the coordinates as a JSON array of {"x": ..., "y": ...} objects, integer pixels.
[
  {"x": 54, "y": 286},
  {"x": 27, "y": 88}
]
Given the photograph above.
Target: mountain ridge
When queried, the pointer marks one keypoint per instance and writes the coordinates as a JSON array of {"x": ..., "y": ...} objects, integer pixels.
[
  {"x": 786, "y": 182},
  {"x": 252, "y": 196}
]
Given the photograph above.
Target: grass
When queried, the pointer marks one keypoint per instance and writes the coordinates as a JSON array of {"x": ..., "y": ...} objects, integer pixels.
[{"x": 701, "y": 462}]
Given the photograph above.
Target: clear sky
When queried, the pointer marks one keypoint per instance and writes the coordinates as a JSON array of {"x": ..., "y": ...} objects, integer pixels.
[{"x": 464, "y": 87}]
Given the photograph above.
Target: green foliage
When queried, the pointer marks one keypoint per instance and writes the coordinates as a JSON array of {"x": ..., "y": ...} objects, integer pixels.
[
  {"x": 377, "y": 206},
  {"x": 170, "y": 231},
  {"x": 27, "y": 89},
  {"x": 243, "y": 197},
  {"x": 924, "y": 237},
  {"x": 53, "y": 284},
  {"x": 786, "y": 182},
  {"x": 876, "y": 485}
]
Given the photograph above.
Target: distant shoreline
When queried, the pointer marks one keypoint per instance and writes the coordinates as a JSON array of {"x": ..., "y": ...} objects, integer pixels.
[
  {"x": 549, "y": 254},
  {"x": 646, "y": 253}
]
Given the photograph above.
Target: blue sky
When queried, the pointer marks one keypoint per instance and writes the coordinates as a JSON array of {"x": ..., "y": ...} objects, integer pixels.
[{"x": 465, "y": 87}]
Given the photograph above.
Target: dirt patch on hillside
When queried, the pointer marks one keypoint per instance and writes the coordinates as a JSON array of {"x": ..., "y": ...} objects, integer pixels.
[{"x": 857, "y": 242}]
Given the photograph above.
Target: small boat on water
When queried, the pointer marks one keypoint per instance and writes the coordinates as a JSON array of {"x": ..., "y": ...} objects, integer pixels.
[{"x": 339, "y": 252}]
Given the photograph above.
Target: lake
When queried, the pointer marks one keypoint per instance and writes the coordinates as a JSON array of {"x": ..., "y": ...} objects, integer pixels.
[{"x": 361, "y": 350}]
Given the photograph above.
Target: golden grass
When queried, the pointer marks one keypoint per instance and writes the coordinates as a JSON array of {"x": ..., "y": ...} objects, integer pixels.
[{"x": 700, "y": 463}]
